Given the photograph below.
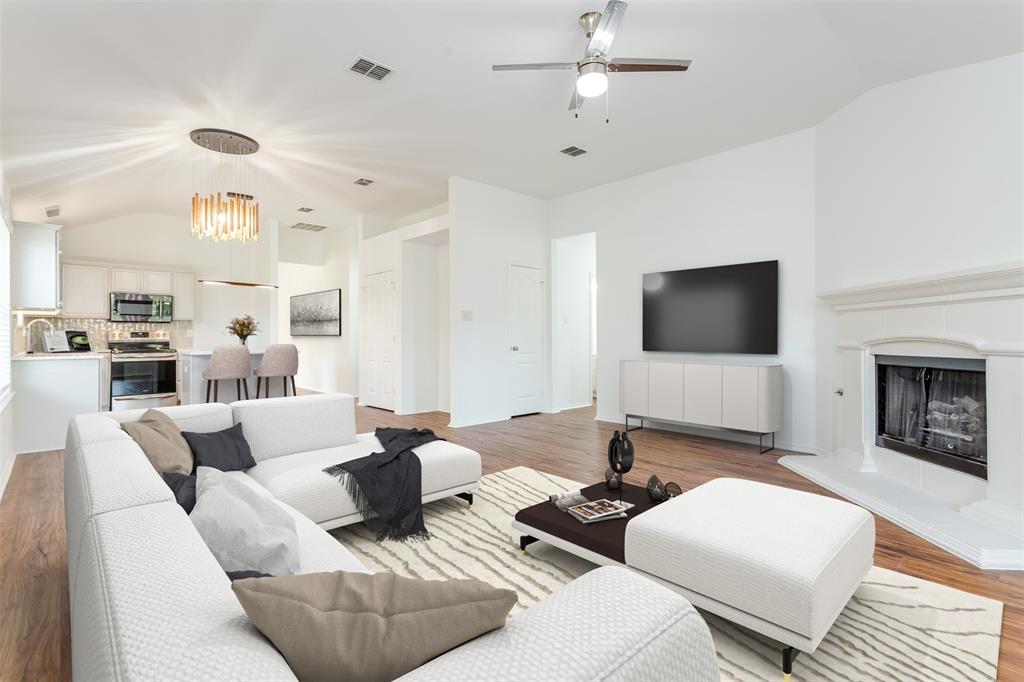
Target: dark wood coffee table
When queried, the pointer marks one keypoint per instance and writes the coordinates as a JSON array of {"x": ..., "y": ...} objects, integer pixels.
[{"x": 602, "y": 542}]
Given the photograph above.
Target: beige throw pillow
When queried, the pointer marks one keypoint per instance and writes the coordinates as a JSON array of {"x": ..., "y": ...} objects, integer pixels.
[
  {"x": 161, "y": 440},
  {"x": 360, "y": 626}
]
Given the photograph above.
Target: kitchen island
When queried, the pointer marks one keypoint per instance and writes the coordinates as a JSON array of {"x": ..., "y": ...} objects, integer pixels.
[{"x": 193, "y": 362}]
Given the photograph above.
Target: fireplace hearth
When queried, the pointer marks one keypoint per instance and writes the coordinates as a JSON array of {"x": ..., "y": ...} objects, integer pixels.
[{"x": 934, "y": 409}]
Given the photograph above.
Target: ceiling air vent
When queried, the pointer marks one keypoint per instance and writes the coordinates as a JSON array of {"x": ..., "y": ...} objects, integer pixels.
[
  {"x": 304, "y": 209},
  {"x": 363, "y": 182},
  {"x": 574, "y": 151},
  {"x": 309, "y": 227},
  {"x": 53, "y": 211},
  {"x": 365, "y": 67}
]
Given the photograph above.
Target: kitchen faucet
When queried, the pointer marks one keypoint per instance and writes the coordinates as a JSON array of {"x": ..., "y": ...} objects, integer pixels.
[{"x": 28, "y": 328}]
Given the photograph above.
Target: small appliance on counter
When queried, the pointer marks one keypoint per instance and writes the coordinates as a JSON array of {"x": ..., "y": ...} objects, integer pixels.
[
  {"x": 78, "y": 342},
  {"x": 143, "y": 370}
]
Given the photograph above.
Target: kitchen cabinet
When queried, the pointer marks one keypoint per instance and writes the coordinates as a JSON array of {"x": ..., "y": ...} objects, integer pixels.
[
  {"x": 125, "y": 280},
  {"x": 183, "y": 288},
  {"x": 157, "y": 282},
  {"x": 35, "y": 259},
  {"x": 50, "y": 390},
  {"x": 86, "y": 290}
]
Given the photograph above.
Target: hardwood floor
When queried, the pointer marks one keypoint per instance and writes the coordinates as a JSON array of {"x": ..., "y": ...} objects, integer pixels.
[{"x": 34, "y": 640}]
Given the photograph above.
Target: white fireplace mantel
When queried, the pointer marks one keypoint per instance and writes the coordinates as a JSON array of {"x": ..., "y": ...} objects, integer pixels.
[{"x": 975, "y": 313}]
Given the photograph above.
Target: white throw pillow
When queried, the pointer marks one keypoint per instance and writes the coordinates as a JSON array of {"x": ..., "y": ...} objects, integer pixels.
[{"x": 243, "y": 530}]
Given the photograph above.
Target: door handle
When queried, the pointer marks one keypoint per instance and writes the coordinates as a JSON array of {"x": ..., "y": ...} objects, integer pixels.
[{"x": 515, "y": 347}]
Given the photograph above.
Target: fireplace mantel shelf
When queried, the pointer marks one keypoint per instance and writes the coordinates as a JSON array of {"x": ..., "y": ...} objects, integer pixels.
[{"x": 996, "y": 281}]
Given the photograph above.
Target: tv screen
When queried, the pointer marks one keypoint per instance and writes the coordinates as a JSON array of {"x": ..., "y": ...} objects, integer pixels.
[{"x": 725, "y": 309}]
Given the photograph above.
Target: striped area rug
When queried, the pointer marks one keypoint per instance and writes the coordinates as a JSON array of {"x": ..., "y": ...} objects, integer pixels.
[{"x": 895, "y": 628}]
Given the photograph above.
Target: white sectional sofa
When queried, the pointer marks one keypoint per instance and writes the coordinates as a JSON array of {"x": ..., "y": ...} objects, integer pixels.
[{"x": 150, "y": 602}]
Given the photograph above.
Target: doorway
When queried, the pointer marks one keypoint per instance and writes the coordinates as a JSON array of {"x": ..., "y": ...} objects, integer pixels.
[
  {"x": 377, "y": 300},
  {"x": 526, "y": 338},
  {"x": 574, "y": 321}
]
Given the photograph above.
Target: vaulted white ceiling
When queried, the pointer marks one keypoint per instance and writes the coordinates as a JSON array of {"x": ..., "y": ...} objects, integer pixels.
[{"x": 98, "y": 97}]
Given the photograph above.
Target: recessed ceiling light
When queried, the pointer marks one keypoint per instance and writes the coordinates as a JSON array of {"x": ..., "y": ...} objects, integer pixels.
[
  {"x": 573, "y": 151},
  {"x": 363, "y": 182},
  {"x": 304, "y": 209}
]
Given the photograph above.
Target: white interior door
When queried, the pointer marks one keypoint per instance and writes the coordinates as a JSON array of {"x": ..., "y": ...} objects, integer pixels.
[
  {"x": 526, "y": 336},
  {"x": 378, "y": 305}
]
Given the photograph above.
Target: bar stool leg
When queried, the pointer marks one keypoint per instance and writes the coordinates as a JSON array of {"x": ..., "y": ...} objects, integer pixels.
[
  {"x": 238, "y": 389},
  {"x": 259, "y": 384},
  {"x": 266, "y": 392},
  {"x": 284, "y": 385},
  {"x": 216, "y": 385},
  {"x": 294, "y": 392},
  {"x": 208, "y": 384},
  {"x": 245, "y": 385}
]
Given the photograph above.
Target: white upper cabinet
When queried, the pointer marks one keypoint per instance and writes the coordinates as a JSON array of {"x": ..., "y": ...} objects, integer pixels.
[
  {"x": 127, "y": 280},
  {"x": 183, "y": 288},
  {"x": 86, "y": 290},
  {"x": 157, "y": 282},
  {"x": 35, "y": 258}
]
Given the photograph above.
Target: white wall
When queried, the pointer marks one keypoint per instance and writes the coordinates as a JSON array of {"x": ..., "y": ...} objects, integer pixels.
[
  {"x": 444, "y": 319},
  {"x": 324, "y": 361},
  {"x": 164, "y": 240},
  {"x": 573, "y": 262},
  {"x": 419, "y": 344},
  {"x": 923, "y": 176},
  {"x": 6, "y": 411},
  {"x": 491, "y": 229},
  {"x": 749, "y": 204}
]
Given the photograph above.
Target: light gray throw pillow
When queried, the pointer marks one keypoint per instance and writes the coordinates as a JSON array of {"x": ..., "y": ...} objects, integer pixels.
[{"x": 243, "y": 530}]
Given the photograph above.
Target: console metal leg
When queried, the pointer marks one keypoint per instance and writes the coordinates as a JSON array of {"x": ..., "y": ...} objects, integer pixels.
[
  {"x": 789, "y": 655},
  {"x": 525, "y": 540},
  {"x": 468, "y": 497},
  {"x": 760, "y": 443},
  {"x": 635, "y": 427}
]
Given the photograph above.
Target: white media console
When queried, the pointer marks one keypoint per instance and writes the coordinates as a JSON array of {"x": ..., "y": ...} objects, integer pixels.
[{"x": 728, "y": 396}]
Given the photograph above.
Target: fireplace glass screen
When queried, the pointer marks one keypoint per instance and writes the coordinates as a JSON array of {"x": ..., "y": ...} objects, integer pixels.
[{"x": 934, "y": 409}]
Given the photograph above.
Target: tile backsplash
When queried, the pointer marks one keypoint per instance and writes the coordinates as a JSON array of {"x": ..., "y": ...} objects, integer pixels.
[{"x": 97, "y": 329}]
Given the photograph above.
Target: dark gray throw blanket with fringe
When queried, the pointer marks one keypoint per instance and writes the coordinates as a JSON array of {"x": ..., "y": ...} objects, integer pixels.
[{"x": 387, "y": 486}]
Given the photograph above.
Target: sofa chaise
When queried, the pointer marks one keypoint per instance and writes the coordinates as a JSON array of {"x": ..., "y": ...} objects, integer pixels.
[{"x": 150, "y": 602}]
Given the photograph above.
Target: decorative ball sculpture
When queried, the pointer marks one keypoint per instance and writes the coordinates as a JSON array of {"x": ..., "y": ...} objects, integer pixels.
[
  {"x": 655, "y": 489},
  {"x": 672, "y": 489},
  {"x": 611, "y": 480}
]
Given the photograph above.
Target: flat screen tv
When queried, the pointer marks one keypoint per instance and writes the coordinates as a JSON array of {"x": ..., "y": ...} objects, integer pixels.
[{"x": 725, "y": 309}]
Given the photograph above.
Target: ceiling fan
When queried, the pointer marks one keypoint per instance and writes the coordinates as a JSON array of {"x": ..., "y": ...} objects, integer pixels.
[{"x": 592, "y": 70}]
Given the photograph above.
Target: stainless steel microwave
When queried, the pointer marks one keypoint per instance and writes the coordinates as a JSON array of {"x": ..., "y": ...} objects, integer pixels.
[{"x": 129, "y": 307}]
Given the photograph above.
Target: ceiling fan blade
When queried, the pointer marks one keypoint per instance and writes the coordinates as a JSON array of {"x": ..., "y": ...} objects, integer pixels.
[
  {"x": 540, "y": 66},
  {"x": 601, "y": 42},
  {"x": 636, "y": 65},
  {"x": 576, "y": 102}
]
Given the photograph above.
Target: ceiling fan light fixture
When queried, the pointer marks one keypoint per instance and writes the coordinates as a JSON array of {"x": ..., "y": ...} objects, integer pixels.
[{"x": 592, "y": 80}]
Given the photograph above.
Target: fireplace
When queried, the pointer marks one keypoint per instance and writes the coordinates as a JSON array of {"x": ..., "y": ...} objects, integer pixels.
[{"x": 933, "y": 409}]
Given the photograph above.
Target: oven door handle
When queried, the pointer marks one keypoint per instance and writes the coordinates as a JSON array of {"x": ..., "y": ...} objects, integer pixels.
[{"x": 148, "y": 396}]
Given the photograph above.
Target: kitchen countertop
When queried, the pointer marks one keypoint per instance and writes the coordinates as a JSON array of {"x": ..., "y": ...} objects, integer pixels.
[
  {"x": 200, "y": 351},
  {"x": 90, "y": 355}
]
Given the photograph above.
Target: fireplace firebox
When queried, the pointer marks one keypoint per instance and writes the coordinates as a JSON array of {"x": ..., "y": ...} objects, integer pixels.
[{"x": 933, "y": 409}]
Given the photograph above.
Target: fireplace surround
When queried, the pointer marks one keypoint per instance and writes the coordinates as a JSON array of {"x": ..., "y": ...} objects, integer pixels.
[{"x": 933, "y": 409}]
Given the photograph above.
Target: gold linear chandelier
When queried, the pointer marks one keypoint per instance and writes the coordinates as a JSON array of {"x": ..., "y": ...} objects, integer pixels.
[{"x": 217, "y": 211}]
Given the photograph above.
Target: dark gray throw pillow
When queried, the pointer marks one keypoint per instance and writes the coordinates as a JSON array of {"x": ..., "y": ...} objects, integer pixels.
[
  {"x": 184, "y": 489},
  {"x": 225, "y": 450}
]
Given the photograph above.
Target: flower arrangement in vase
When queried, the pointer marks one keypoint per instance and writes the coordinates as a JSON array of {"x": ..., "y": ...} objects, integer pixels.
[{"x": 243, "y": 327}]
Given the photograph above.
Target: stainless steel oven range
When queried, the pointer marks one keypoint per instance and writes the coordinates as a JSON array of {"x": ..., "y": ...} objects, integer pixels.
[{"x": 143, "y": 370}]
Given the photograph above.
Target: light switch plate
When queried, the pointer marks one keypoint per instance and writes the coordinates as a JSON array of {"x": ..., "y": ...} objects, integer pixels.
[{"x": 467, "y": 315}]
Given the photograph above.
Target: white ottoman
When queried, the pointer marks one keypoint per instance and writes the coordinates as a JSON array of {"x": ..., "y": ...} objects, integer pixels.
[{"x": 778, "y": 561}]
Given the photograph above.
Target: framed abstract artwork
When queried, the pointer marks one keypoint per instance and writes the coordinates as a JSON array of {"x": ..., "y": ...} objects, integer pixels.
[{"x": 316, "y": 314}]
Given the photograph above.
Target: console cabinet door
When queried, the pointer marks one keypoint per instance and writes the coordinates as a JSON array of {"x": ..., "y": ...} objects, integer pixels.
[
  {"x": 666, "y": 391},
  {"x": 703, "y": 390},
  {"x": 634, "y": 388},
  {"x": 739, "y": 397}
]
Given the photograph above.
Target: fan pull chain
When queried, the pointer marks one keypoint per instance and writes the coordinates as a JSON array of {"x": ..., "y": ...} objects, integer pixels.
[{"x": 607, "y": 97}]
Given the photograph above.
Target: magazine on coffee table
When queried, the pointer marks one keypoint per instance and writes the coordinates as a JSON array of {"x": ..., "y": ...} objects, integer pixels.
[
  {"x": 568, "y": 498},
  {"x": 599, "y": 510}
]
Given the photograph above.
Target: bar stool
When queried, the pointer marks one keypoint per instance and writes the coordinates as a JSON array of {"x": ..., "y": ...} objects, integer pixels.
[
  {"x": 279, "y": 360},
  {"x": 228, "y": 362}
]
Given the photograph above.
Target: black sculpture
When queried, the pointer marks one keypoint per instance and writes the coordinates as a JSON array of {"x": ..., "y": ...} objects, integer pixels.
[{"x": 620, "y": 459}]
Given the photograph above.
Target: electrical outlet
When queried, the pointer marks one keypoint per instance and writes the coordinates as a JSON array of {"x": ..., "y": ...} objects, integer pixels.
[{"x": 467, "y": 315}]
